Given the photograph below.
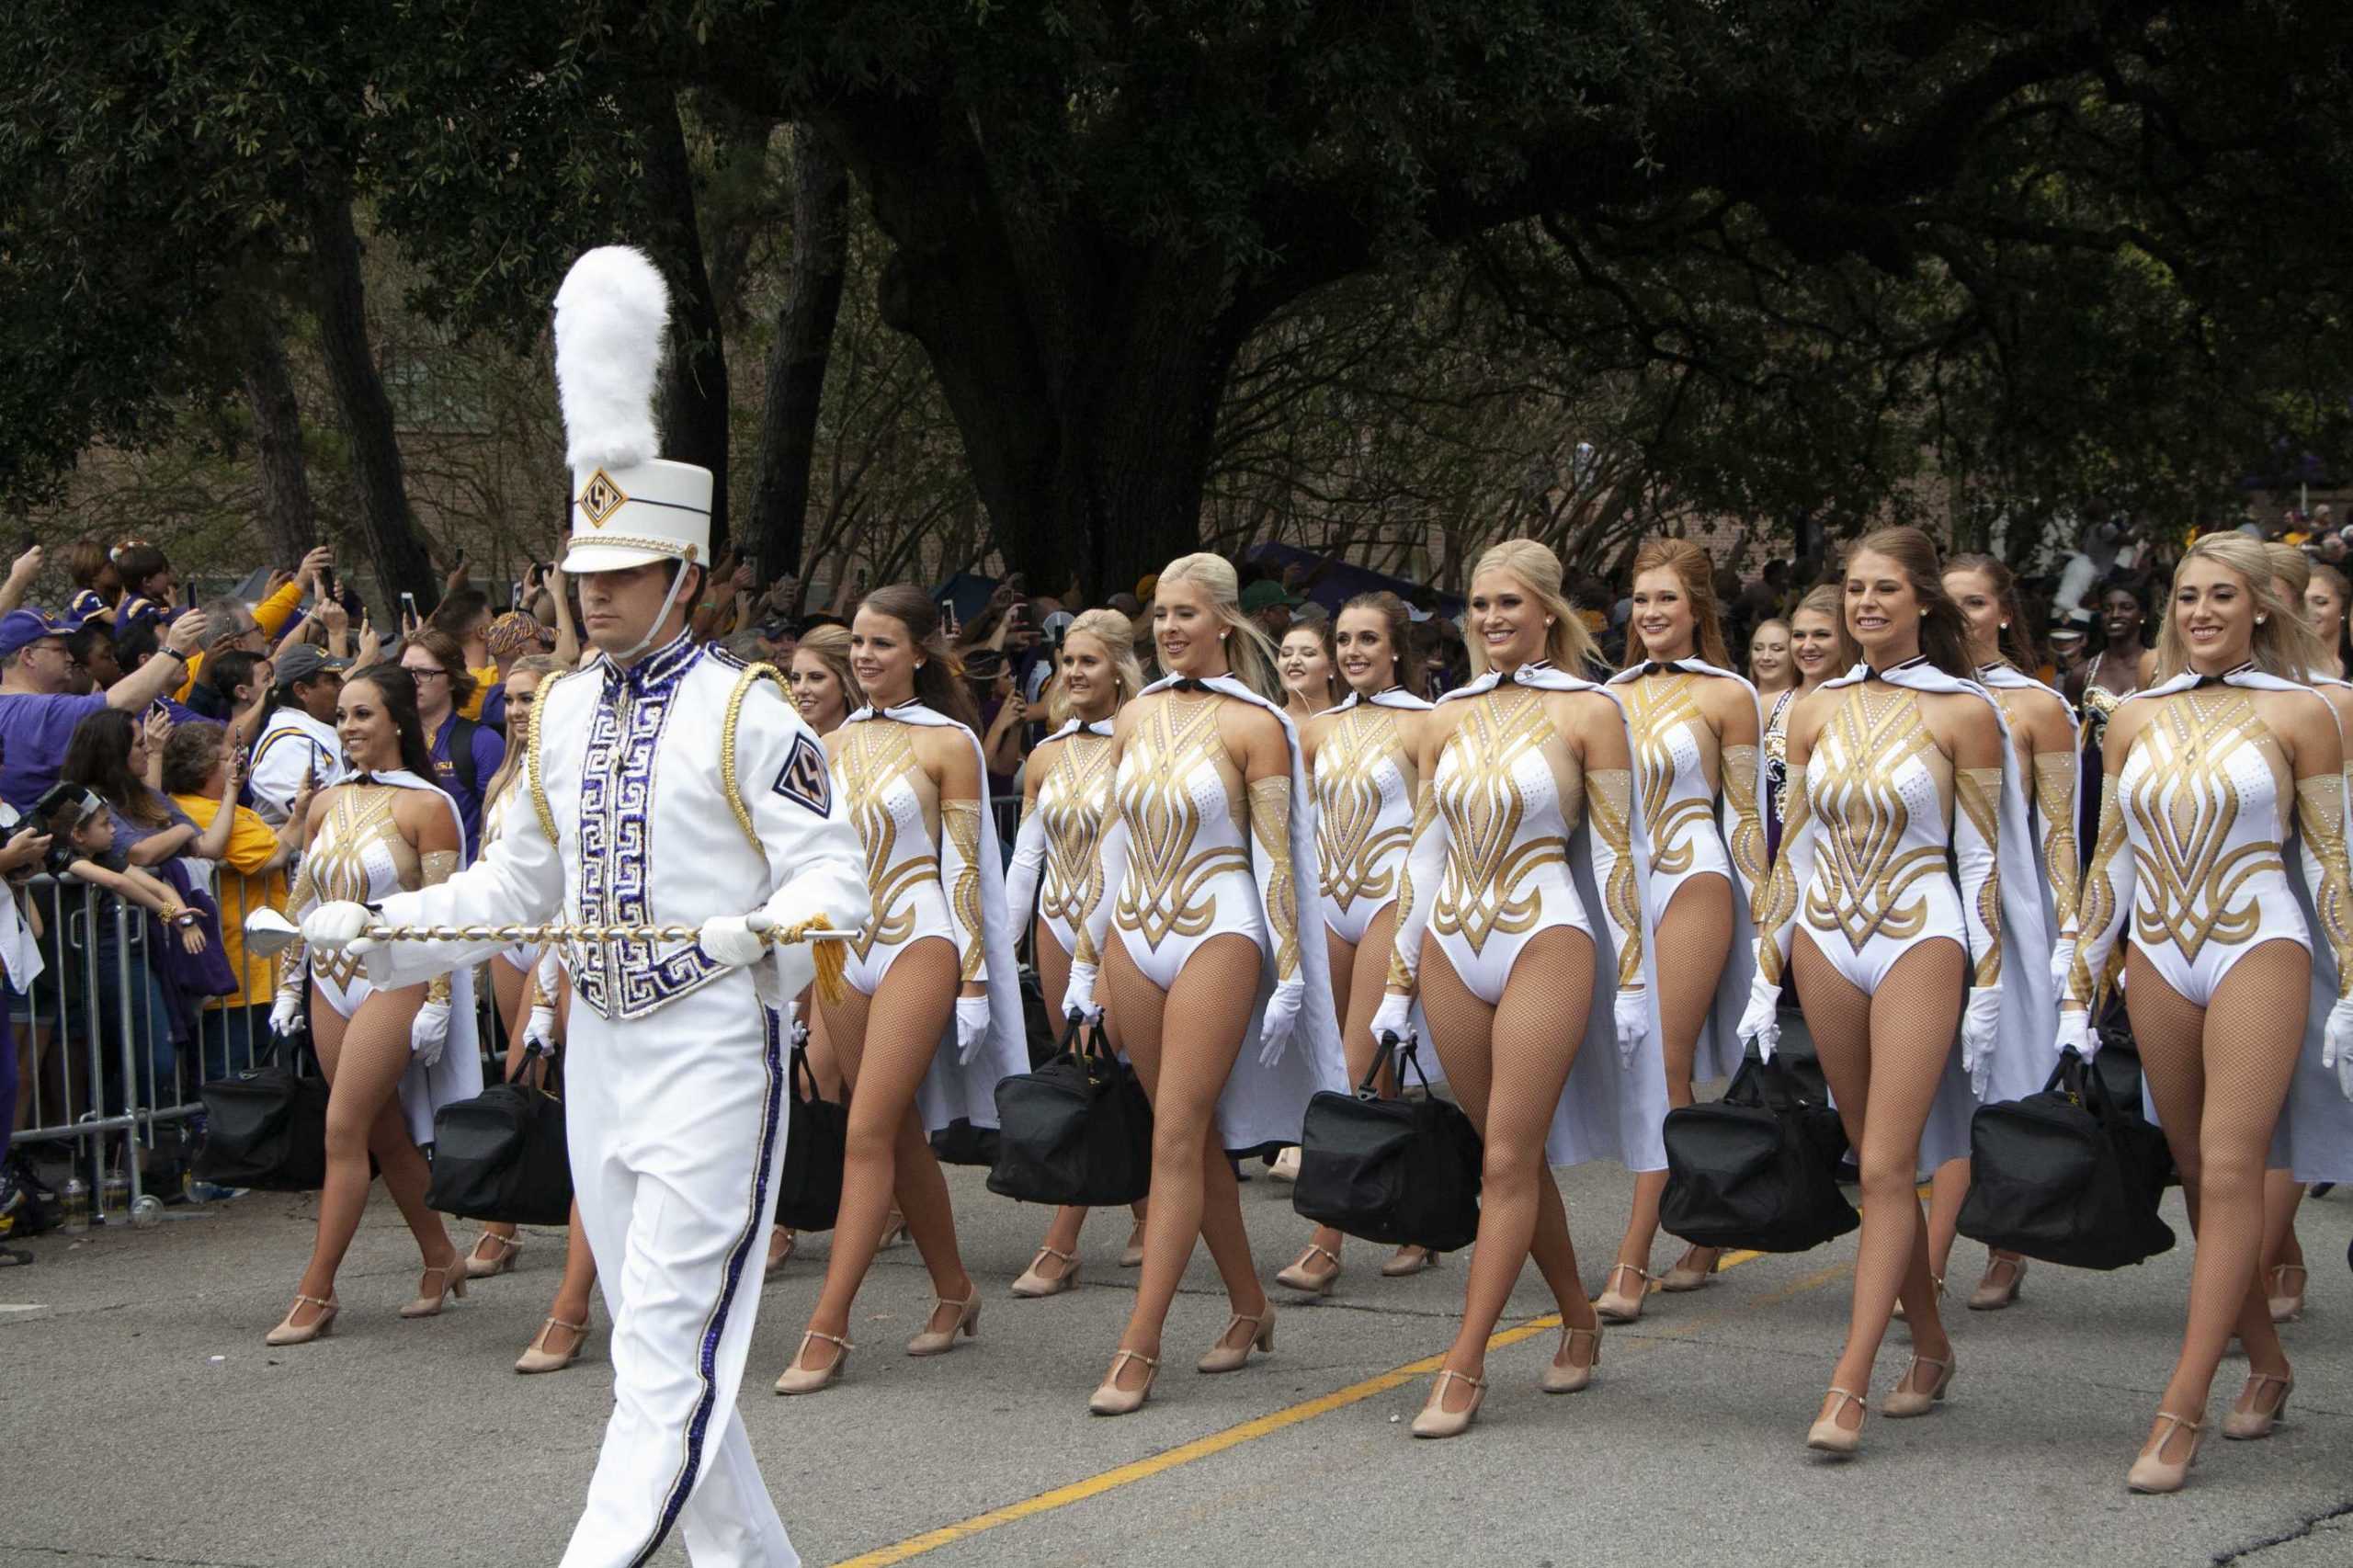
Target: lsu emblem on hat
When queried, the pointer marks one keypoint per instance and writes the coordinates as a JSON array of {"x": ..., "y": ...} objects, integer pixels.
[
  {"x": 805, "y": 779},
  {"x": 600, "y": 498}
]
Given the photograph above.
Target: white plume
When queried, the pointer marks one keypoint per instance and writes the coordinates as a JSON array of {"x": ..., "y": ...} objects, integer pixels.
[{"x": 610, "y": 317}]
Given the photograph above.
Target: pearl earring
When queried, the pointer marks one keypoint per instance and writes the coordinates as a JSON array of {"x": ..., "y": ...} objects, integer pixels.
[
  {"x": 2006, "y": 626},
  {"x": 2259, "y": 620}
]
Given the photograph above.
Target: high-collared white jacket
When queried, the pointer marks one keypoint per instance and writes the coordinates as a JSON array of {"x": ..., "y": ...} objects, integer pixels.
[{"x": 648, "y": 792}]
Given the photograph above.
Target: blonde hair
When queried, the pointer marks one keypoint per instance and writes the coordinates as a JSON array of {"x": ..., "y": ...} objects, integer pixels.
[
  {"x": 518, "y": 741},
  {"x": 1567, "y": 643},
  {"x": 1696, "y": 574},
  {"x": 2283, "y": 645},
  {"x": 831, "y": 644},
  {"x": 2293, "y": 570},
  {"x": 1247, "y": 652},
  {"x": 1117, "y": 635}
]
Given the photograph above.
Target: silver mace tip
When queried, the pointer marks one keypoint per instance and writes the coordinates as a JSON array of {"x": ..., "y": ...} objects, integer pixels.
[{"x": 268, "y": 933}]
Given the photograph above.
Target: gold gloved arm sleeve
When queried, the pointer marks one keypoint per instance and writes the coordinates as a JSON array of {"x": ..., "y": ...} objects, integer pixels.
[
  {"x": 2054, "y": 798},
  {"x": 1608, "y": 804},
  {"x": 2320, "y": 824},
  {"x": 1776, "y": 910},
  {"x": 1278, "y": 889},
  {"x": 960, "y": 868},
  {"x": 2101, "y": 905},
  {"x": 1977, "y": 855},
  {"x": 1747, "y": 823},
  {"x": 434, "y": 868},
  {"x": 1416, "y": 890}
]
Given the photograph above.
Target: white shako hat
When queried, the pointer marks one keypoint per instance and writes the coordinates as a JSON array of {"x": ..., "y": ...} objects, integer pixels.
[{"x": 628, "y": 508}]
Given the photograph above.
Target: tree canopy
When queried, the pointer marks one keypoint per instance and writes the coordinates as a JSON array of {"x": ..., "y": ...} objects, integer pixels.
[{"x": 1802, "y": 254}]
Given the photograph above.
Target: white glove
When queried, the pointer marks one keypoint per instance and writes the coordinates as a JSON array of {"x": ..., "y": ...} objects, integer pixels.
[
  {"x": 2337, "y": 1044},
  {"x": 971, "y": 1026},
  {"x": 1282, "y": 1018},
  {"x": 1394, "y": 1016},
  {"x": 2062, "y": 961},
  {"x": 1980, "y": 1024},
  {"x": 430, "y": 1032},
  {"x": 2075, "y": 1029},
  {"x": 1760, "y": 1021},
  {"x": 730, "y": 941},
  {"x": 1633, "y": 1022},
  {"x": 334, "y": 927},
  {"x": 1078, "y": 996},
  {"x": 540, "y": 1030},
  {"x": 286, "y": 1016}
]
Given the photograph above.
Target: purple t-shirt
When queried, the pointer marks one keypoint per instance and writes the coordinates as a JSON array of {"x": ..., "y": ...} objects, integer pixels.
[{"x": 33, "y": 732}]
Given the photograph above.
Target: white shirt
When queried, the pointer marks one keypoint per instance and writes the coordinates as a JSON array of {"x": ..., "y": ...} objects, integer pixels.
[{"x": 290, "y": 744}]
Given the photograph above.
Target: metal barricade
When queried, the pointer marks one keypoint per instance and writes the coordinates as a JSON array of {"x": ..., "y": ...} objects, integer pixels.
[
  {"x": 86, "y": 1037},
  {"x": 99, "y": 1069}
]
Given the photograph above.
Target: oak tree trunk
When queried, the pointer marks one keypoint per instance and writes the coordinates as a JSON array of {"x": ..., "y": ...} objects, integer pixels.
[
  {"x": 693, "y": 373},
  {"x": 395, "y": 548},
  {"x": 289, "y": 522},
  {"x": 798, "y": 360}
]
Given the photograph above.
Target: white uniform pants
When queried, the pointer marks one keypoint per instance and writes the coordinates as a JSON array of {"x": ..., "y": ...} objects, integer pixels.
[{"x": 675, "y": 1125}]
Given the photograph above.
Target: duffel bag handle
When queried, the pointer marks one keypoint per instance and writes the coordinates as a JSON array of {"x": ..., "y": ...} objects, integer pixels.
[{"x": 1405, "y": 1053}]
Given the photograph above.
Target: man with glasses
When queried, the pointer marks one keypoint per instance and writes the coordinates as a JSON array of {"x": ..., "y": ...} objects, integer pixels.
[
  {"x": 465, "y": 755},
  {"x": 38, "y": 710}
]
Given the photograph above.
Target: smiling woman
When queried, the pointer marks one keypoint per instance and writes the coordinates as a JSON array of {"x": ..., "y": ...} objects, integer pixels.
[
  {"x": 388, "y": 830},
  {"x": 1521, "y": 924},
  {"x": 2231, "y": 742},
  {"x": 1896, "y": 773},
  {"x": 1695, "y": 726}
]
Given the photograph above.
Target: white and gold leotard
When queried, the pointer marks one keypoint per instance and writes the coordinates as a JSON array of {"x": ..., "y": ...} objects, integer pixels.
[
  {"x": 1879, "y": 796},
  {"x": 2204, "y": 803},
  {"x": 1364, "y": 799},
  {"x": 359, "y": 856},
  {"x": 1055, "y": 855},
  {"x": 1187, "y": 813},
  {"x": 1683, "y": 772},
  {"x": 900, "y": 819}
]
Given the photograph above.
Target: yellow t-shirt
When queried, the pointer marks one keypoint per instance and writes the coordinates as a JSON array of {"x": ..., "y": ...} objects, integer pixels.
[
  {"x": 271, "y": 615},
  {"x": 240, "y": 891},
  {"x": 484, "y": 678}
]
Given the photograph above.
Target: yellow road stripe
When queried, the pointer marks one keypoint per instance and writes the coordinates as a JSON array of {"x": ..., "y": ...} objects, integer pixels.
[{"x": 1231, "y": 1436}]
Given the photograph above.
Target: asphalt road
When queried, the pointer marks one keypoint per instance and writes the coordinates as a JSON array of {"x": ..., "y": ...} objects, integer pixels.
[{"x": 146, "y": 1422}]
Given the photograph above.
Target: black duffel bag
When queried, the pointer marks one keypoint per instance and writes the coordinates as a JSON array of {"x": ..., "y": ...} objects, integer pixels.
[
  {"x": 1076, "y": 1130},
  {"x": 1758, "y": 1168},
  {"x": 1399, "y": 1172},
  {"x": 501, "y": 1155},
  {"x": 2067, "y": 1175},
  {"x": 265, "y": 1129},
  {"x": 816, "y": 1143}
]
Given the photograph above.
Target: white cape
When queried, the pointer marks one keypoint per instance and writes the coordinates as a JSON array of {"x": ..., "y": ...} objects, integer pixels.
[
  {"x": 951, "y": 1093},
  {"x": 1607, "y": 1111}
]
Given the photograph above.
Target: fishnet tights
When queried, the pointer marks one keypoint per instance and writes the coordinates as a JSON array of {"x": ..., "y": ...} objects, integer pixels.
[
  {"x": 1693, "y": 937},
  {"x": 886, "y": 1042},
  {"x": 364, "y": 1057},
  {"x": 1183, "y": 1043},
  {"x": 1884, "y": 1054},
  {"x": 1506, "y": 1065},
  {"x": 2219, "y": 1075}
]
